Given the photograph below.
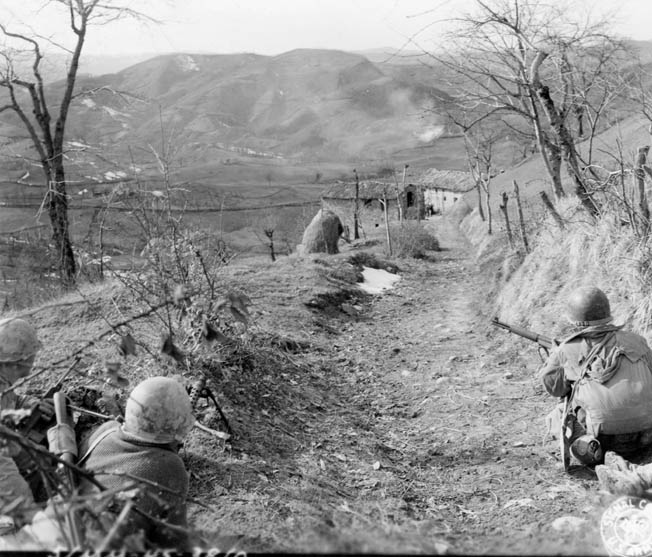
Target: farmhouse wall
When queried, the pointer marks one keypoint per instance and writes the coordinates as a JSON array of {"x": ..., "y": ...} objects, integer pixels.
[
  {"x": 341, "y": 200},
  {"x": 370, "y": 213},
  {"x": 440, "y": 199}
]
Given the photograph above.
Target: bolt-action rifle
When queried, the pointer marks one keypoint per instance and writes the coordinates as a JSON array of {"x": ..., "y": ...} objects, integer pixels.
[{"x": 545, "y": 343}]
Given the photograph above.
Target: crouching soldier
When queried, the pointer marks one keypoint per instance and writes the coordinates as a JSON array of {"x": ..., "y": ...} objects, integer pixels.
[
  {"x": 18, "y": 348},
  {"x": 143, "y": 451},
  {"x": 606, "y": 373}
]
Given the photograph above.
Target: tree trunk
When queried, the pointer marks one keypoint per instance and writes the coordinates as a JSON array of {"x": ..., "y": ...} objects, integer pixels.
[
  {"x": 553, "y": 155},
  {"x": 564, "y": 137},
  {"x": 480, "y": 209},
  {"x": 58, "y": 213},
  {"x": 551, "y": 208},
  {"x": 487, "y": 194},
  {"x": 549, "y": 152},
  {"x": 503, "y": 208},
  {"x": 639, "y": 176},
  {"x": 521, "y": 220}
]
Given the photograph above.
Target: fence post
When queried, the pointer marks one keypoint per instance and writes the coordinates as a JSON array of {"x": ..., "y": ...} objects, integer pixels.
[{"x": 503, "y": 208}]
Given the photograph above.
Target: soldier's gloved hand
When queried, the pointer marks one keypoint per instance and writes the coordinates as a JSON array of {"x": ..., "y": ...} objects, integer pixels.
[{"x": 46, "y": 408}]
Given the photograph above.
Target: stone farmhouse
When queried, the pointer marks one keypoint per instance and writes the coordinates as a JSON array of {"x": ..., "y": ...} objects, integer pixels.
[
  {"x": 442, "y": 188},
  {"x": 340, "y": 198},
  {"x": 428, "y": 193}
]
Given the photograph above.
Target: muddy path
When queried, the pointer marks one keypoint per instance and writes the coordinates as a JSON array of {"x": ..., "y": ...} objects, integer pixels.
[
  {"x": 414, "y": 426},
  {"x": 459, "y": 419}
]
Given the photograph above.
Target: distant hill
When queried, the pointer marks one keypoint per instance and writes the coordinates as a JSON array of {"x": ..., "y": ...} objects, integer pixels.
[
  {"x": 300, "y": 117},
  {"x": 298, "y": 107}
]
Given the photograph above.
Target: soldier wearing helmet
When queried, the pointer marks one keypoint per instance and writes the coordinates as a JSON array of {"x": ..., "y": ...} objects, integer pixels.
[
  {"x": 19, "y": 345},
  {"x": 607, "y": 373},
  {"x": 143, "y": 449}
]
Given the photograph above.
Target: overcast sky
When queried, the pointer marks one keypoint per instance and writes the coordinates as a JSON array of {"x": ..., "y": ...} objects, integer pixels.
[{"x": 275, "y": 26}]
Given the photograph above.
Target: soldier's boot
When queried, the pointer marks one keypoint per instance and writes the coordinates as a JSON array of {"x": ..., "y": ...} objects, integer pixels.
[
  {"x": 587, "y": 450},
  {"x": 620, "y": 482}
]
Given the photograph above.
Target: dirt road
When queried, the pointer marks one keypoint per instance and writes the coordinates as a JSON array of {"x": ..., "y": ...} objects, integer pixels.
[
  {"x": 459, "y": 403},
  {"x": 424, "y": 434}
]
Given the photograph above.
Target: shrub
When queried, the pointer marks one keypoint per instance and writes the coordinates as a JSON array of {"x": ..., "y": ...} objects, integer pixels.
[
  {"x": 366, "y": 259},
  {"x": 411, "y": 239}
]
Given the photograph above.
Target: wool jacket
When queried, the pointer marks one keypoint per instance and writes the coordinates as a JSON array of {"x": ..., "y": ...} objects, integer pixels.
[
  {"x": 12, "y": 483},
  {"x": 616, "y": 388},
  {"x": 119, "y": 460}
]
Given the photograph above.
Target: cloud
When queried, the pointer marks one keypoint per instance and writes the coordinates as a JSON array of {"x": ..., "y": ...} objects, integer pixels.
[{"x": 431, "y": 134}]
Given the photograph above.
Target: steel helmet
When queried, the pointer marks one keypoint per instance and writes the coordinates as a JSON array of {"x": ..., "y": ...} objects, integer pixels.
[
  {"x": 159, "y": 411},
  {"x": 588, "y": 306},
  {"x": 18, "y": 340}
]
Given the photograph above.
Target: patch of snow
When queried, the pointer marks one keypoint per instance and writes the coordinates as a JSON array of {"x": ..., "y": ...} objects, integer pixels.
[
  {"x": 78, "y": 144},
  {"x": 114, "y": 113},
  {"x": 376, "y": 281},
  {"x": 187, "y": 63},
  {"x": 111, "y": 175},
  {"x": 90, "y": 103},
  {"x": 24, "y": 176}
]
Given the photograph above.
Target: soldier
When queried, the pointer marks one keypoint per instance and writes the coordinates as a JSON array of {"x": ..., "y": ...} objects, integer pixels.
[
  {"x": 620, "y": 477},
  {"x": 143, "y": 450},
  {"x": 607, "y": 374},
  {"x": 18, "y": 348}
]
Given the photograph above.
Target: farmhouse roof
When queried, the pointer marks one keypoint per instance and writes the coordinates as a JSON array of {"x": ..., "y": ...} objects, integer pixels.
[
  {"x": 451, "y": 180},
  {"x": 369, "y": 189}
]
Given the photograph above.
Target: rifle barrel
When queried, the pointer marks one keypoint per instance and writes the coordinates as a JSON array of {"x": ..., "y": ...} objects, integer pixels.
[{"x": 542, "y": 340}]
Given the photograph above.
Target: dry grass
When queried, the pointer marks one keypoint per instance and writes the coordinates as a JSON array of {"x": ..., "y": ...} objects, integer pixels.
[
  {"x": 411, "y": 239},
  {"x": 602, "y": 253}
]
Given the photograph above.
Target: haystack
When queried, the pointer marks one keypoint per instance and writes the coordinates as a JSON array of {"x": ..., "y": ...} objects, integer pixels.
[{"x": 322, "y": 234}]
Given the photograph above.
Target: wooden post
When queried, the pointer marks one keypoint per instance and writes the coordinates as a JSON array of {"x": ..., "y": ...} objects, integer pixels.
[
  {"x": 503, "y": 208},
  {"x": 639, "y": 176},
  {"x": 399, "y": 205},
  {"x": 389, "y": 237},
  {"x": 520, "y": 217},
  {"x": 356, "y": 209},
  {"x": 551, "y": 209},
  {"x": 487, "y": 193}
]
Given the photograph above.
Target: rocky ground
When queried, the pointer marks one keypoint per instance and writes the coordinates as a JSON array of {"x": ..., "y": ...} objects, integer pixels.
[{"x": 407, "y": 424}]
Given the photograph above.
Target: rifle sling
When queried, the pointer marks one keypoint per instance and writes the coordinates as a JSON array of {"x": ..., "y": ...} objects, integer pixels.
[
  {"x": 95, "y": 443},
  {"x": 588, "y": 361}
]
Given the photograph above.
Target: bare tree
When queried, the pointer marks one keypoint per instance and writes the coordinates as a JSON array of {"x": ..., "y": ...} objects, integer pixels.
[
  {"x": 521, "y": 61},
  {"x": 27, "y": 97},
  {"x": 479, "y": 144}
]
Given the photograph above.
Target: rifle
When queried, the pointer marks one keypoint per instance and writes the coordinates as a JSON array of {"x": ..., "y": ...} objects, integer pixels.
[{"x": 543, "y": 341}]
